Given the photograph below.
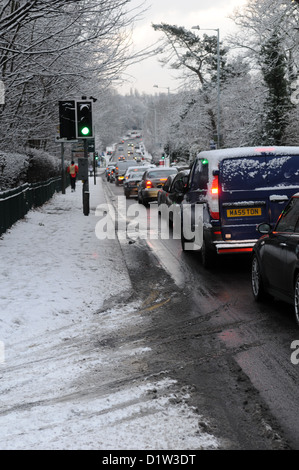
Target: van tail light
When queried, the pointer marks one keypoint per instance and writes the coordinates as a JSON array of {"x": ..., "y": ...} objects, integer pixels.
[
  {"x": 214, "y": 191},
  {"x": 149, "y": 184},
  {"x": 215, "y": 186}
]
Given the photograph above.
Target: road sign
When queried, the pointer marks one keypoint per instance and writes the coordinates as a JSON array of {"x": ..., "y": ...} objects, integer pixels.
[{"x": 90, "y": 145}]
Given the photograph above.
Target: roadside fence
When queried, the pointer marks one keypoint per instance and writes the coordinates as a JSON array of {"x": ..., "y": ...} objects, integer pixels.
[{"x": 16, "y": 202}]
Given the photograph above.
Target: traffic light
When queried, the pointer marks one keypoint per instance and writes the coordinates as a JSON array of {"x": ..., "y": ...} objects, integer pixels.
[
  {"x": 67, "y": 120},
  {"x": 84, "y": 128}
]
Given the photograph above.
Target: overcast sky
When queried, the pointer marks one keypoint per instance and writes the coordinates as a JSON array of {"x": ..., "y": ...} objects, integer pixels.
[{"x": 186, "y": 13}]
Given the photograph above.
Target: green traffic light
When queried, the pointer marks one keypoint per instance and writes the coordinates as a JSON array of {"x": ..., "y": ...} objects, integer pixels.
[{"x": 85, "y": 131}]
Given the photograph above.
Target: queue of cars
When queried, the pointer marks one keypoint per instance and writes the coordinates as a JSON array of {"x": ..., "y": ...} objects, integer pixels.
[
  {"x": 249, "y": 200},
  {"x": 250, "y": 204}
]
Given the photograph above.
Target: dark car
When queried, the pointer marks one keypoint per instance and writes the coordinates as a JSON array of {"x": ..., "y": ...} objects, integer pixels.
[
  {"x": 112, "y": 174},
  {"x": 171, "y": 196},
  {"x": 132, "y": 181},
  {"x": 163, "y": 192},
  {"x": 275, "y": 262},
  {"x": 120, "y": 170},
  {"x": 108, "y": 170},
  {"x": 152, "y": 180}
]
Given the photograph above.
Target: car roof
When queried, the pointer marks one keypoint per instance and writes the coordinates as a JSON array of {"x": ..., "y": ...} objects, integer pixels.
[
  {"x": 183, "y": 172},
  {"x": 215, "y": 156}
]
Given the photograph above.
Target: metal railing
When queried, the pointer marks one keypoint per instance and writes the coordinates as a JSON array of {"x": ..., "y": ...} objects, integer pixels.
[{"x": 15, "y": 203}]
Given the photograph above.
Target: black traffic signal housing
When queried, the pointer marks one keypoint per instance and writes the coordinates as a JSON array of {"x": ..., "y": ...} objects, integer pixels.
[
  {"x": 84, "y": 126},
  {"x": 67, "y": 120}
]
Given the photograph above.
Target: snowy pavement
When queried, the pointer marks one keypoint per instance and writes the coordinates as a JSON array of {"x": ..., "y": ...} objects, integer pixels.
[{"x": 61, "y": 386}]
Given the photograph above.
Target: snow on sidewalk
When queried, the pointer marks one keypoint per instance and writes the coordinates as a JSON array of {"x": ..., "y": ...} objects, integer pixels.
[
  {"x": 61, "y": 386},
  {"x": 53, "y": 265}
]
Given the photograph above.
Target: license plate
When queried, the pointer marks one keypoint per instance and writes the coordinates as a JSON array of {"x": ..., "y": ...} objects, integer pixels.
[{"x": 244, "y": 212}]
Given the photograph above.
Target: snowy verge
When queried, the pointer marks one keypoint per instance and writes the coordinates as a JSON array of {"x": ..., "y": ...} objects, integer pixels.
[{"x": 75, "y": 374}]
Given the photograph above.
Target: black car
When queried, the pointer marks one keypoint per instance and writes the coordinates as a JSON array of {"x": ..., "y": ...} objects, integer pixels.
[
  {"x": 275, "y": 262},
  {"x": 132, "y": 181},
  {"x": 172, "y": 194},
  {"x": 163, "y": 192}
]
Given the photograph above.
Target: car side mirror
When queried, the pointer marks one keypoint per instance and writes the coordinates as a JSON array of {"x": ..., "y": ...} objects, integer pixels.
[{"x": 264, "y": 228}]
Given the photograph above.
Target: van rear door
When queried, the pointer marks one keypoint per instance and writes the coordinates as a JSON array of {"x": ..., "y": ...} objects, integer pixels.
[
  {"x": 254, "y": 190},
  {"x": 282, "y": 181},
  {"x": 242, "y": 203}
]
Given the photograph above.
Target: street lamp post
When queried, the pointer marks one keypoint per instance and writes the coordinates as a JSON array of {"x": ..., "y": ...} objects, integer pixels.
[
  {"x": 218, "y": 80},
  {"x": 168, "y": 103},
  {"x": 165, "y": 87}
]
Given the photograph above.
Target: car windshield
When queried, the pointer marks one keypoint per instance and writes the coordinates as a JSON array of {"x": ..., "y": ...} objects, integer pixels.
[
  {"x": 136, "y": 174},
  {"x": 161, "y": 173}
]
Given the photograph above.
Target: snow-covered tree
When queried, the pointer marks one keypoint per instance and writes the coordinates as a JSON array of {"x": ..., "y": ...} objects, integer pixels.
[
  {"x": 268, "y": 38},
  {"x": 55, "y": 50},
  {"x": 197, "y": 59}
]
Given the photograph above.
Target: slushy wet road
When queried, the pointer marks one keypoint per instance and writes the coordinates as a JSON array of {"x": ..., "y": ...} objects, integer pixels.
[{"x": 236, "y": 352}]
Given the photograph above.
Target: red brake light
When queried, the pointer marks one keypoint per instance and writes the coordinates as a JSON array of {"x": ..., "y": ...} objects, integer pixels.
[
  {"x": 215, "y": 186},
  {"x": 214, "y": 210},
  {"x": 149, "y": 184}
]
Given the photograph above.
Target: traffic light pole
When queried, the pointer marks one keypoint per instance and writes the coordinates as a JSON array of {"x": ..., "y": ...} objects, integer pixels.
[
  {"x": 86, "y": 183},
  {"x": 63, "y": 185},
  {"x": 94, "y": 169}
]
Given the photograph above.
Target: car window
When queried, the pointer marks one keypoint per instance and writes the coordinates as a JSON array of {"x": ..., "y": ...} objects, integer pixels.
[
  {"x": 136, "y": 174},
  {"x": 161, "y": 173},
  {"x": 243, "y": 173},
  {"x": 181, "y": 176},
  {"x": 288, "y": 221},
  {"x": 259, "y": 172},
  {"x": 283, "y": 170},
  {"x": 200, "y": 175},
  {"x": 168, "y": 183}
]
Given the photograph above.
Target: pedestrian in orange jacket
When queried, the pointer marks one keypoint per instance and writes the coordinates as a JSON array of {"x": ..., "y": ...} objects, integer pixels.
[{"x": 73, "y": 169}]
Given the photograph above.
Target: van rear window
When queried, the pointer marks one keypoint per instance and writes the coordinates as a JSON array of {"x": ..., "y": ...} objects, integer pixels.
[
  {"x": 259, "y": 172},
  {"x": 283, "y": 170}
]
